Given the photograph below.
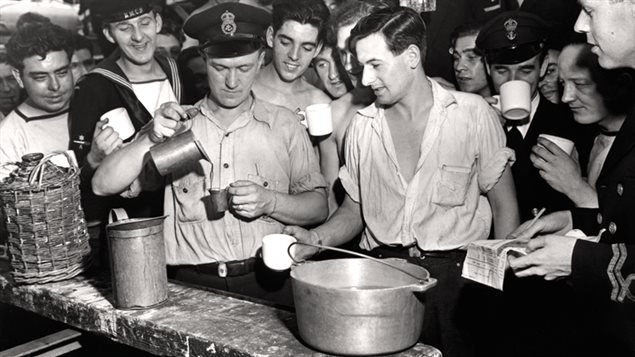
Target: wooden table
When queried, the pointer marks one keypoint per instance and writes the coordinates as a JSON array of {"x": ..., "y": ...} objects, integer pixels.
[{"x": 193, "y": 322}]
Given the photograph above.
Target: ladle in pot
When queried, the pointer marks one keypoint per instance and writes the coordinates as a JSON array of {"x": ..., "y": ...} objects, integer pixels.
[{"x": 380, "y": 261}]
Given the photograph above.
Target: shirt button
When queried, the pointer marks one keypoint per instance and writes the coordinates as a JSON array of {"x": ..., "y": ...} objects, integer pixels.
[
  {"x": 599, "y": 218},
  {"x": 184, "y": 190},
  {"x": 265, "y": 183},
  {"x": 612, "y": 227},
  {"x": 226, "y": 165},
  {"x": 620, "y": 189}
]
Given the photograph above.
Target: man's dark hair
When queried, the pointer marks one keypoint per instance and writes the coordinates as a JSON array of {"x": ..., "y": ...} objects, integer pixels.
[
  {"x": 80, "y": 42},
  {"x": 312, "y": 12},
  {"x": 170, "y": 27},
  {"x": 37, "y": 40},
  {"x": 401, "y": 27},
  {"x": 616, "y": 86},
  {"x": 468, "y": 29},
  {"x": 30, "y": 18}
]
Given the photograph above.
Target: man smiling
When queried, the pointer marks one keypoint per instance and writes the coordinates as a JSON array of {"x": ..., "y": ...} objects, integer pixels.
[
  {"x": 296, "y": 36},
  {"x": 132, "y": 78},
  {"x": 40, "y": 55}
]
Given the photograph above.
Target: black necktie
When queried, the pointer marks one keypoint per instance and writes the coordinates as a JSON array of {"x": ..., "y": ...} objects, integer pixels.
[{"x": 514, "y": 138}]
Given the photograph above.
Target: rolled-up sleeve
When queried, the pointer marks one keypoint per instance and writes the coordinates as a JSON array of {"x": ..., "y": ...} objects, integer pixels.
[
  {"x": 349, "y": 172},
  {"x": 494, "y": 157},
  {"x": 305, "y": 168}
]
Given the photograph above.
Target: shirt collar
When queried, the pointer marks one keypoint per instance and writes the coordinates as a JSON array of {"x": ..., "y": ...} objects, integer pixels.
[
  {"x": 442, "y": 97},
  {"x": 257, "y": 110}
]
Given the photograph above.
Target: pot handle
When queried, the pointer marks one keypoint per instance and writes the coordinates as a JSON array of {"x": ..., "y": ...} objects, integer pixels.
[
  {"x": 423, "y": 285},
  {"x": 117, "y": 214}
]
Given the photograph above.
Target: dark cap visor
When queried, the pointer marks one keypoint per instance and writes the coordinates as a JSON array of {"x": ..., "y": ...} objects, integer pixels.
[
  {"x": 514, "y": 54},
  {"x": 229, "y": 49}
]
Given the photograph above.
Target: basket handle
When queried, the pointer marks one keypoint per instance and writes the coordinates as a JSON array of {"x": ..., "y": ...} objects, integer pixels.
[
  {"x": 117, "y": 214},
  {"x": 38, "y": 171}
]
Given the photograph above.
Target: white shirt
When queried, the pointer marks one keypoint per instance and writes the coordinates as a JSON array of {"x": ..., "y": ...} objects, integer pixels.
[
  {"x": 154, "y": 93},
  {"x": 39, "y": 132}
]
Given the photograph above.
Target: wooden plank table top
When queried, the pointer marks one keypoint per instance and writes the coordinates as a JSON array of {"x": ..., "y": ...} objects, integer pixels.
[{"x": 193, "y": 322}]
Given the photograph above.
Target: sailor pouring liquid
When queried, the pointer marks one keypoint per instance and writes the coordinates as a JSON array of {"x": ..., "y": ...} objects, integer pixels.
[{"x": 260, "y": 153}]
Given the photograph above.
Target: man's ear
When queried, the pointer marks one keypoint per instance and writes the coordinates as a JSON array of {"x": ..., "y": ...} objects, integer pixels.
[
  {"x": 18, "y": 78},
  {"x": 106, "y": 32},
  {"x": 413, "y": 56},
  {"x": 543, "y": 67},
  {"x": 159, "y": 20},
  {"x": 269, "y": 36}
]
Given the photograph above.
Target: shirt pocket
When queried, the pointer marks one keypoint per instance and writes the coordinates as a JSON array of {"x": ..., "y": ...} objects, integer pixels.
[
  {"x": 191, "y": 197},
  {"x": 451, "y": 187},
  {"x": 269, "y": 184}
]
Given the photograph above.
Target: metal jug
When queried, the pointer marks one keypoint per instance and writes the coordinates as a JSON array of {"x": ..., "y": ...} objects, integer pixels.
[{"x": 137, "y": 260}]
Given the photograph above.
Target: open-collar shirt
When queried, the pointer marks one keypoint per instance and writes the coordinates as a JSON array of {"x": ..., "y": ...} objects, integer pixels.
[
  {"x": 267, "y": 145},
  {"x": 443, "y": 207}
]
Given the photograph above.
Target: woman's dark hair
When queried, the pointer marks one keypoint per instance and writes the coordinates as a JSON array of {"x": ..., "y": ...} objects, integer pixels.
[
  {"x": 38, "y": 39},
  {"x": 616, "y": 86},
  {"x": 401, "y": 27},
  {"x": 312, "y": 12}
]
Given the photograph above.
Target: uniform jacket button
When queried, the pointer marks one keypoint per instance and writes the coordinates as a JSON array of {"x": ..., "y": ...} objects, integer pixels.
[
  {"x": 226, "y": 165},
  {"x": 620, "y": 189},
  {"x": 599, "y": 218},
  {"x": 612, "y": 227}
]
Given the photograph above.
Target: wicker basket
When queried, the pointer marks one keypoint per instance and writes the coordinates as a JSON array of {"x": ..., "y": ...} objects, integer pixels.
[{"x": 47, "y": 234}]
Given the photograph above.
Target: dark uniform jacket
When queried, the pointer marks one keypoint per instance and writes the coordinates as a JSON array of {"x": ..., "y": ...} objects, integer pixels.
[
  {"x": 104, "y": 88},
  {"x": 603, "y": 272},
  {"x": 532, "y": 190}
]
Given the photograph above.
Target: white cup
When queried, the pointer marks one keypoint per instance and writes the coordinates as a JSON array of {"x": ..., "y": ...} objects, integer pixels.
[
  {"x": 318, "y": 118},
  {"x": 515, "y": 100},
  {"x": 275, "y": 251},
  {"x": 119, "y": 121},
  {"x": 565, "y": 144}
]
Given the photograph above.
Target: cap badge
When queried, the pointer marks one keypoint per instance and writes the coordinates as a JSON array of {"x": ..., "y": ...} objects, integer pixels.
[
  {"x": 228, "y": 26},
  {"x": 510, "y": 27}
]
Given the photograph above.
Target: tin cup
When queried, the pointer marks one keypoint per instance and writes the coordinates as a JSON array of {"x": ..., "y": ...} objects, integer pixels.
[
  {"x": 220, "y": 200},
  {"x": 177, "y": 152}
]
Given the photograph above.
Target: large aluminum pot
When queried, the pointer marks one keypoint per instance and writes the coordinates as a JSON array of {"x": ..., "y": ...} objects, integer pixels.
[{"x": 358, "y": 306}]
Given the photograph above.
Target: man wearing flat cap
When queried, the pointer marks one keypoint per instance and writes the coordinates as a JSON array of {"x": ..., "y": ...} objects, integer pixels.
[
  {"x": 514, "y": 47},
  {"x": 133, "y": 78},
  {"x": 259, "y": 152}
]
